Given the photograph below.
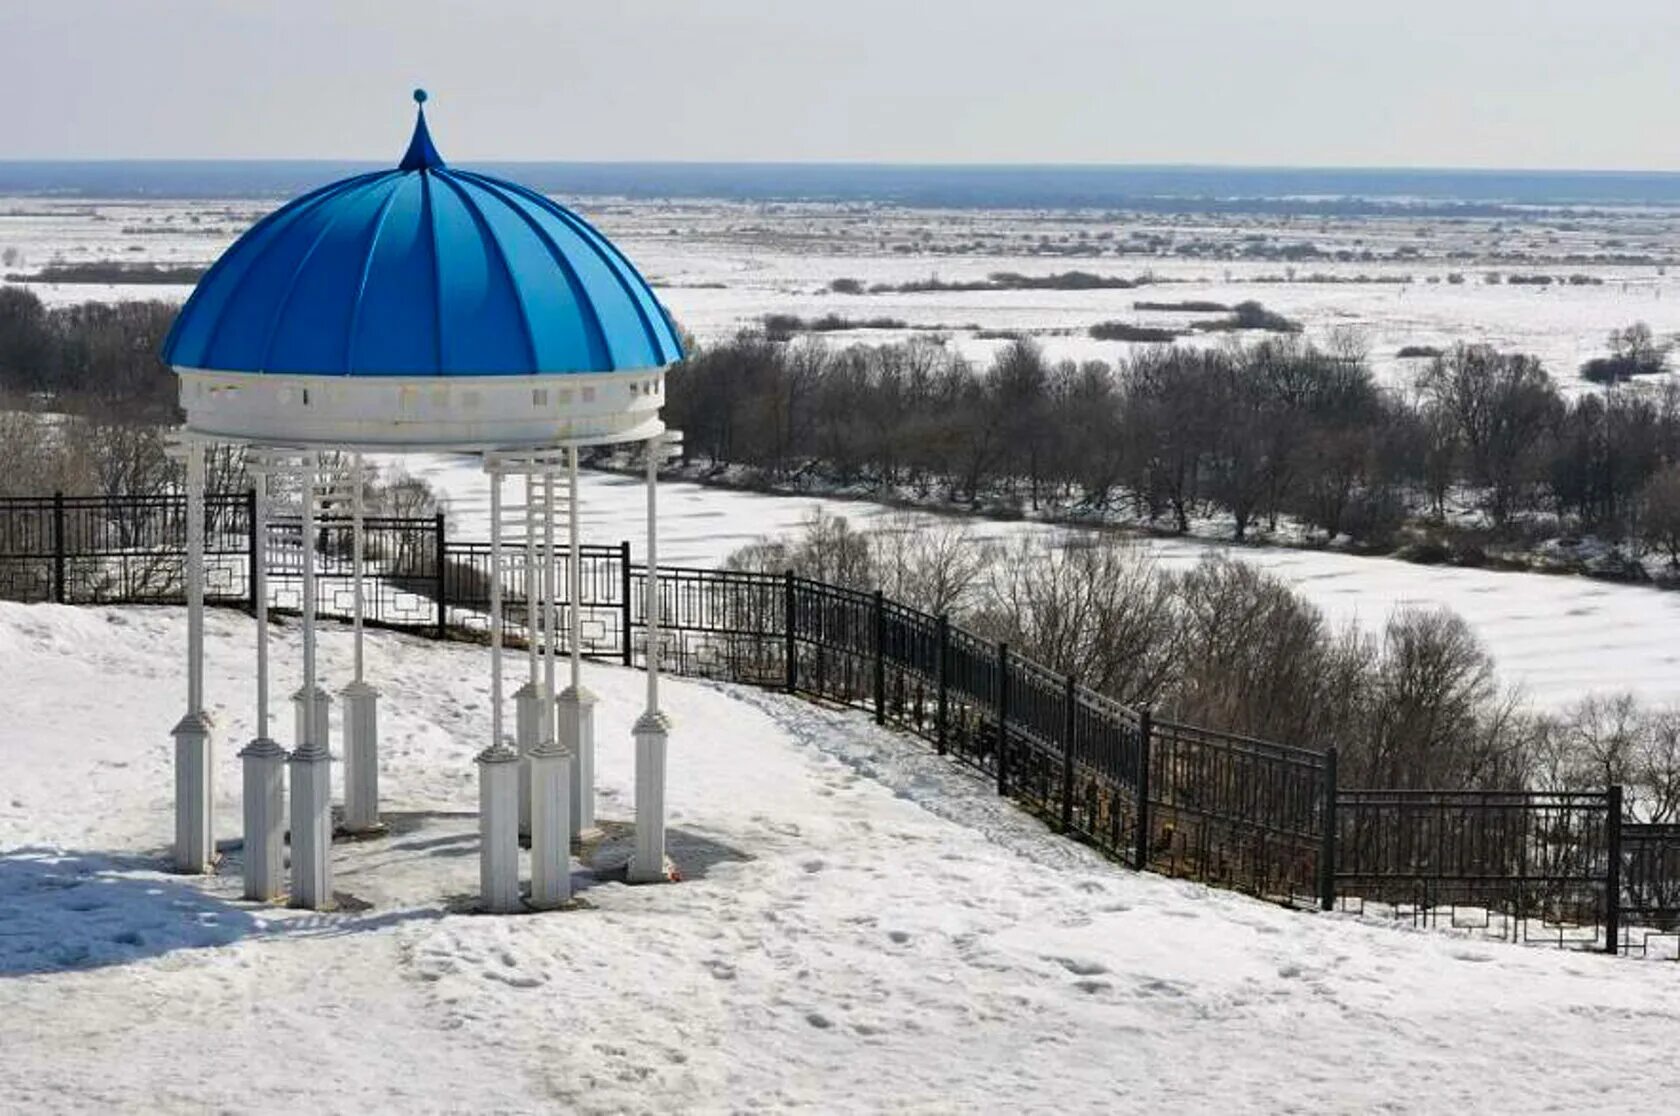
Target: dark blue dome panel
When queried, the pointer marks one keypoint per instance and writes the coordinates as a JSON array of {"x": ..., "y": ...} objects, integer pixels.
[{"x": 423, "y": 271}]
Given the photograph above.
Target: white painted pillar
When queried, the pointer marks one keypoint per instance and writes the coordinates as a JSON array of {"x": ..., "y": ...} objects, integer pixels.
[
  {"x": 648, "y": 863},
  {"x": 311, "y": 764},
  {"x": 262, "y": 761},
  {"x": 552, "y": 761},
  {"x": 576, "y": 705},
  {"x": 530, "y": 703},
  {"x": 361, "y": 701},
  {"x": 195, "y": 843},
  {"x": 498, "y": 765}
]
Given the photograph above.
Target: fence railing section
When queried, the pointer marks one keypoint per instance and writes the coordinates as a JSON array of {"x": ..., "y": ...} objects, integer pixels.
[
  {"x": 1248, "y": 814},
  {"x": 1517, "y": 865}
]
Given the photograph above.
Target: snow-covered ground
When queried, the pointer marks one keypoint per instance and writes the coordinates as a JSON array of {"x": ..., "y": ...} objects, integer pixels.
[
  {"x": 864, "y": 927},
  {"x": 1560, "y": 637}
]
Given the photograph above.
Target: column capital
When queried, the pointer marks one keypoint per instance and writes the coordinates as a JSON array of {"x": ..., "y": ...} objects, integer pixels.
[
  {"x": 497, "y": 753},
  {"x": 196, "y": 723},
  {"x": 357, "y": 689},
  {"x": 261, "y": 747},
  {"x": 577, "y": 695},
  {"x": 652, "y": 723}
]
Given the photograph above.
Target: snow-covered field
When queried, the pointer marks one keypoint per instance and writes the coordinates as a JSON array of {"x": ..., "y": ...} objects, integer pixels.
[
  {"x": 864, "y": 928},
  {"x": 721, "y": 266},
  {"x": 1558, "y": 637}
]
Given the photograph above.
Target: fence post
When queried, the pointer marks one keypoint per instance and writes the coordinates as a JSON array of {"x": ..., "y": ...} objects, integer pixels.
[
  {"x": 1613, "y": 874},
  {"x": 790, "y": 644},
  {"x": 442, "y": 587},
  {"x": 1069, "y": 701},
  {"x": 1003, "y": 718},
  {"x": 944, "y": 670},
  {"x": 624, "y": 587},
  {"x": 58, "y": 593},
  {"x": 1327, "y": 839},
  {"x": 1146, "y": 733},
  {"x": 251, "y": 549},
  {"x": 880, "y": 660}
]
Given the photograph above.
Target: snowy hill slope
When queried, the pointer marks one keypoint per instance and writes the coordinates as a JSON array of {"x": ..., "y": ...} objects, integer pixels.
[{"x": 864, "y": 927}]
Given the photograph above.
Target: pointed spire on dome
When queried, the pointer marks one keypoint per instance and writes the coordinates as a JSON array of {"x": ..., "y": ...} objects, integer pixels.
[{"x": 420, "y": 154}]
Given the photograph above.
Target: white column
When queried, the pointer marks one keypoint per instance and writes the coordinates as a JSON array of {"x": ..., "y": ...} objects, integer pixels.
[
  {"x": 498, "y": 765},
  {"x": 652, "y": 730},
  {"x": 552, "y": 761},
  {"x": 530, "y": 703},
  {"x": 263, "y": 762},
  {"x": 195, "y": 845},
  {"x": 576, "y": 705},
  {"x": 361, "y": 701},
  {"x": 311, "y": 765}
]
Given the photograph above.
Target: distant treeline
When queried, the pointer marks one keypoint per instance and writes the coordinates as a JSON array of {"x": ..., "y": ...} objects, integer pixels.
[
  {"x": 114, "y": 272},
  {"x": 997, "y": 281},
  {"x": 91, "y": 357},
  {"x": 1253, "y": 433}
]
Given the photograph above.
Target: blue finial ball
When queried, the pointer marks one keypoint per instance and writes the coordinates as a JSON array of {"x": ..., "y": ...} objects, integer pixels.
[{"x": 419, "y": 96}]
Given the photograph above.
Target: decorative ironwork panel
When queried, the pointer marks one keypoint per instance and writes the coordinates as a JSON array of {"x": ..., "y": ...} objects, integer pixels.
[
  {"x": 723, "y": 624},
  {"x": 1234, "y": 811},
  {"x": 1522, "y": 865},
  {"x": 1106, "y": 751},
  {"x": 971, "y": 671},
  {"x": 910, "y": 659},
  {"x": 1650, "y": 896},
  {"x": 1035, "y": 734},
  {"x": 834, "y": 639}
]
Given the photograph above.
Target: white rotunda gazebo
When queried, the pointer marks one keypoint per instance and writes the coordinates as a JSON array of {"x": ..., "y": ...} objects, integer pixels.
[{"x": 422, "y": 308}]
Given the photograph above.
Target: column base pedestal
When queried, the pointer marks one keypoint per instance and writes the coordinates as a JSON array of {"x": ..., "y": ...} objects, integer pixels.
[
  {"x": 649, "y": 864},
  {"x": 551, "y": 848},
  {"x": 311, "y": 771},
  {"x": 263, "y": 764},
  {"x": 195, "y": 844},
  {"x": 361, "y": 759},
  {"x": 498, "y": 830}
]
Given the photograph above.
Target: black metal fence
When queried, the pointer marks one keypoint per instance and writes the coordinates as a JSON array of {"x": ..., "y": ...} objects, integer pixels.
[{"x": 1252, "y": 815}]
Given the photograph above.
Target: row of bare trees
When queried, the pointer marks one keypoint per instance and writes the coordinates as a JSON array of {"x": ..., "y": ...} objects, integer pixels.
[
  {"x": 1250, "y": 433},
  {"x": 1223, "y": 644}
]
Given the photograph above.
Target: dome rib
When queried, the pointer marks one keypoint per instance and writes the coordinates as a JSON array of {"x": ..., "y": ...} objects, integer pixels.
[
  {"x": 489, "y": 234},
  {"x": 428, "y": 221},
  {"x": 285, "y": 299},
  {"x": 580, "y": 293},
  {"x": 593, "y": 240},
  {"x": 378, "y": 226},
  {"x": 270, "y": 228}
]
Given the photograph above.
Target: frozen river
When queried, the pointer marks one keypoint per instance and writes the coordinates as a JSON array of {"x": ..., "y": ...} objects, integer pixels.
[{"x": 1559, "y": 637}]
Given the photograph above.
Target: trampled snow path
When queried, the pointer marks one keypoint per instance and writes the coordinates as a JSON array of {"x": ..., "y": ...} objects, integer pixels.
[{"x": 865, "y": 927}]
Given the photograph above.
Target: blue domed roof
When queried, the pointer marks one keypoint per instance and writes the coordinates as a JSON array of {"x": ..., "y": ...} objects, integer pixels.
[{"x": 424, "y": 270}]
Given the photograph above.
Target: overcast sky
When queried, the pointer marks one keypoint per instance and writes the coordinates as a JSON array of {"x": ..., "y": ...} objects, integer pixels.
[{"x": 1491, "y": 83}]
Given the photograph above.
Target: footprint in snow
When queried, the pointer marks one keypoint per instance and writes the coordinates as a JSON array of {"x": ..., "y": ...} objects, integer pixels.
[
  {"x": 898, "y": 937},
  {"x": 1079, "y": 967}
]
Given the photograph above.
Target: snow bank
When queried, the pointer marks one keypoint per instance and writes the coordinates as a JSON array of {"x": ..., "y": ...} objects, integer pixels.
[{"x": 864, "y": 927}]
